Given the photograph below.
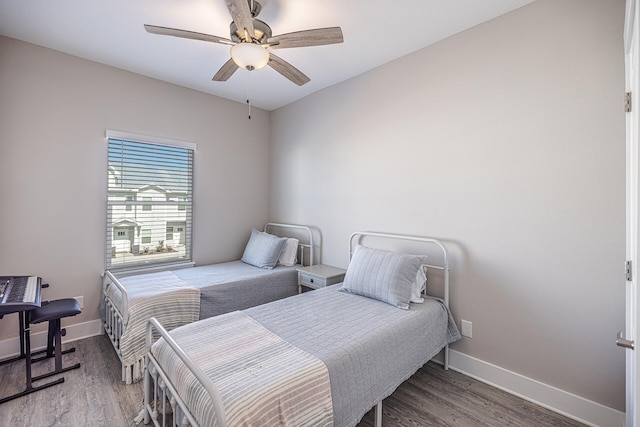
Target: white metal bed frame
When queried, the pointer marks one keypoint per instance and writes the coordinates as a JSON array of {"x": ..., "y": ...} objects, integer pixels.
[
  {"x": 114, "y": 317},
  {"x": 159, "y": 390}
]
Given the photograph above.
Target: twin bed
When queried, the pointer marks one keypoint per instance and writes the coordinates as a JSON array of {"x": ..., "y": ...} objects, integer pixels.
[
  {"x": 266, "y": 272},
  {"x": 321, "y": 358}
]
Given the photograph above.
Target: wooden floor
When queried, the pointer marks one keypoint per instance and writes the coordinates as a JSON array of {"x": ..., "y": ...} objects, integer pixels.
[{"x": 93, "y": 395}]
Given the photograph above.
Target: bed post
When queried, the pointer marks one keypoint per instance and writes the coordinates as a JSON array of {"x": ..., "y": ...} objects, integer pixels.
[
  {"x": 377, "y": 419},
  {"x": 446, "y": 297}
]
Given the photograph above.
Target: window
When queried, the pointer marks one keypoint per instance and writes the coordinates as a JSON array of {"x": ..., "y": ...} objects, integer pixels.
[
  {"x": 146, "y": 207},
  {"x": 150, "y": 201},
  {"x": 145, "y": 236}
]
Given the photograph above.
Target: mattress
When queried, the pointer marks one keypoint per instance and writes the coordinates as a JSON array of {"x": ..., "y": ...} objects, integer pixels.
[
  {"x": 223, "y": 287},
  {"x": 235, "y": 285}
]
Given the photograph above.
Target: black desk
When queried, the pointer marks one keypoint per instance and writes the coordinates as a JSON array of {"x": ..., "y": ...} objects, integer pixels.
[{"x": 23, "y": 309}]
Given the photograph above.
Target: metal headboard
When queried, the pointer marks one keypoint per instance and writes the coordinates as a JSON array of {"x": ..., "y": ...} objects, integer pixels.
[{"x": 301, "y": 245}]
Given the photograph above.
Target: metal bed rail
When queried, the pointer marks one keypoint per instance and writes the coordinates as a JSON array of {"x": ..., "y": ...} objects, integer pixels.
[
  {"x": 113, "y": 317},
  {"x": 109, "y": 279},
  {"x": 157, "y": 387}
]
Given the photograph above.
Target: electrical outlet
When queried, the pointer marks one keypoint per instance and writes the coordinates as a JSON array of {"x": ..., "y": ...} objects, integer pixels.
[
  {"x": 80, "y": 300},
  {"x": 466, "y": 328}
]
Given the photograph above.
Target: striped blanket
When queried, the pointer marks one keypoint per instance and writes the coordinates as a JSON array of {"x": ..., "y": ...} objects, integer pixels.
[
  {"x": 161, "y": 295},
  {"x": 262, "y": 379}
]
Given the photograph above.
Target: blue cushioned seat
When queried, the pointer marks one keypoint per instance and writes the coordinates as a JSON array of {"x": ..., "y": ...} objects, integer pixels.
[{"x": 56, "y": 309}]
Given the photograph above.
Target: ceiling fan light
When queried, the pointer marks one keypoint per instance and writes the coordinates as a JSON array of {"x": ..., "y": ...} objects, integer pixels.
[{"x": 250, "y": 56}]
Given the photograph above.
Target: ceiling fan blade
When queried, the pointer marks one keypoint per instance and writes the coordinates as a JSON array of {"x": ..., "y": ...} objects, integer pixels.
[
  {"x": 241, "y": 15},
  {"x": 225, "y": 71},
  {"x": 185, "y": 34},
  {"x": 287, "y": 70},
  {"x": 315, "y": 37}
]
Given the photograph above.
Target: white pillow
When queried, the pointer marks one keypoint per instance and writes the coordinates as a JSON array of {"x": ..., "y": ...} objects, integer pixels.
[
  {"x": 289, "y": 254},
  {"x": 419, "y": 285}
]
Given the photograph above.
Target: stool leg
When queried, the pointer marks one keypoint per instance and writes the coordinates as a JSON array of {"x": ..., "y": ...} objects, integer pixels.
[
  {"x": 54, "y": 327},
  {"x": 51, "y": 346},
  {"x": 58, "y": 346},
  {"x": 54, "y": 348}
]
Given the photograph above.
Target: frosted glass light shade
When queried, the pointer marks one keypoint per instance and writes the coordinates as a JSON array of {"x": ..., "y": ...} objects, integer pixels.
[{"x": 249, "y": 55}]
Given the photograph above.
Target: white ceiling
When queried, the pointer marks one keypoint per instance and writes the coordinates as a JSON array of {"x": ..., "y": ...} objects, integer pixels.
[{"x": 111, "y": 32}]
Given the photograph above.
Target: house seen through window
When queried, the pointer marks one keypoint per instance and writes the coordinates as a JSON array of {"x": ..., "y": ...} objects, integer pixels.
[{"x": 149, "y": 203}]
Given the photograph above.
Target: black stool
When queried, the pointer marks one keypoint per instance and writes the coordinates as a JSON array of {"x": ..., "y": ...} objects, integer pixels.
[{"x": 52, "y": 312}]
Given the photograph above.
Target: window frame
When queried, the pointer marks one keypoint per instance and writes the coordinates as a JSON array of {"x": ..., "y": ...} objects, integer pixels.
[{"x": 131, "y": 205}]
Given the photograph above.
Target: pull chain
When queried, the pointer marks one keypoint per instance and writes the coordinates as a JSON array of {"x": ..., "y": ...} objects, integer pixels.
[{"x": 249, "y": 93}]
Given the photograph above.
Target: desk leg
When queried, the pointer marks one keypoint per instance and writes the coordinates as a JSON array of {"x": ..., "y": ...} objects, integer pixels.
[
  {"x": 22, "y": 326},
  {"x": 21, "y": 336},
  {"x": 26, "y": 344}
]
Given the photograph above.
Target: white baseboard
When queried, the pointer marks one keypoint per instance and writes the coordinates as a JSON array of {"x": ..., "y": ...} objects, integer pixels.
[
  {"x": 552, "y": 398},
  {"x": 11, "y": 347}
]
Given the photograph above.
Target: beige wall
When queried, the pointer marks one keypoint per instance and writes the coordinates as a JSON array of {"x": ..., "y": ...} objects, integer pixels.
[
  {"x": 508, "y": 142},
  {"x": 54, "y": 109}
]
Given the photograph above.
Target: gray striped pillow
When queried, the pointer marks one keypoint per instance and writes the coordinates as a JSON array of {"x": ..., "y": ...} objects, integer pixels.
[
  {"x": 263, "y": 249},
  {"x": 382, "y": 275}
]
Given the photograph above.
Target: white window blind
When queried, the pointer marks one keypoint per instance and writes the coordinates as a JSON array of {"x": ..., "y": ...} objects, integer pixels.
[{"x": 150, "y": 191}]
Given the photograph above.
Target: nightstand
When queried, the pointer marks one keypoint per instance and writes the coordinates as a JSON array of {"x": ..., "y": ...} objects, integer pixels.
[{"x": 319, "y": 276}]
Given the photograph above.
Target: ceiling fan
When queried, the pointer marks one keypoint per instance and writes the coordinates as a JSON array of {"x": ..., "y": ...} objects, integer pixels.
[{"x": 250, "y": 38}]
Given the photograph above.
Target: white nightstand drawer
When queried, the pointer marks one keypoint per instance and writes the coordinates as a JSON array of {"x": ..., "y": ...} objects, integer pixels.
[
  {"x": 311, "y": 281},
  {"x": 319, "y": 276}
]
